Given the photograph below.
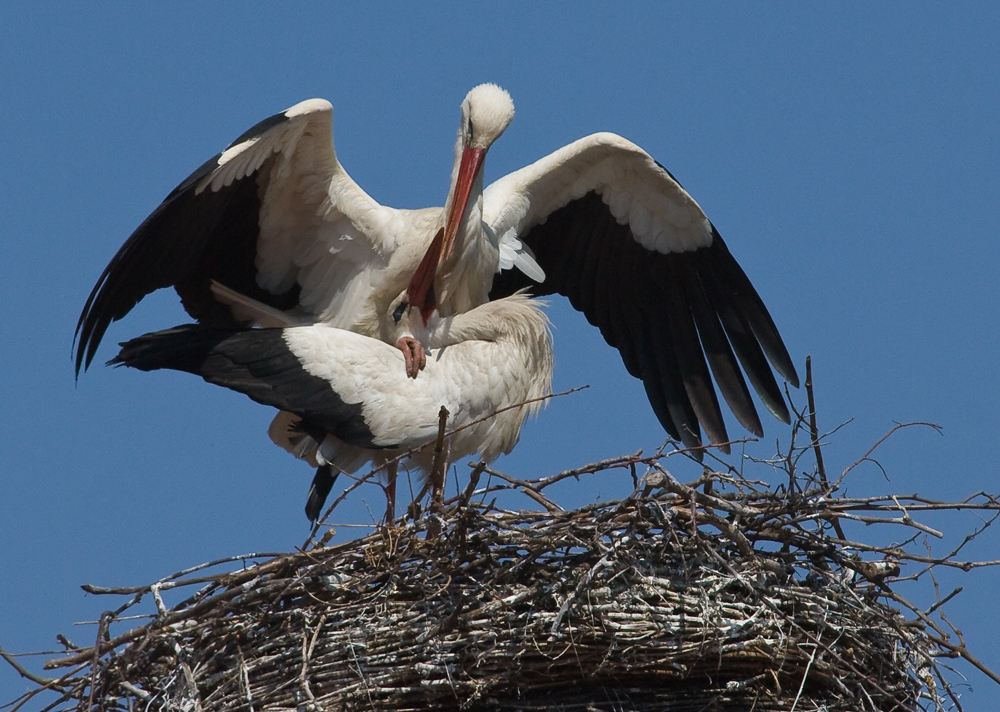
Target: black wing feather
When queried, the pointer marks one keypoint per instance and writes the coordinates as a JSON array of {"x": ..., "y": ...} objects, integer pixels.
[
  {"x": 188, "y": 241},
  {"x": 745, "y": 344},
  {"x": 701, "y": 404},
  {"x": 677, "y": 319},
  {"x": 721, "y": 358},
  {"x": 257, "y": 363},
  {"x": 743, "y": 294},
  {"x": 657, "y": 365}
]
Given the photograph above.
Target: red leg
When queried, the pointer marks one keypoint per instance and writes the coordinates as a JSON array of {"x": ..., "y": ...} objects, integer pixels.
[
  {"x": 437, "y": 479},
  {"x": 390, "y": 492}
]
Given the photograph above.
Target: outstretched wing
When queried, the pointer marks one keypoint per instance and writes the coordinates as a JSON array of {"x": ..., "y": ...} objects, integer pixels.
[
  {"x": 619, "y": 236},
  {"x": 274, "y": 217}
]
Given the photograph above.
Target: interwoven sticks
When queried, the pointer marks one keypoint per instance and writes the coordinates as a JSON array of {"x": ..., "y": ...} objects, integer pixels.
[{"x": 678, "y": 600}]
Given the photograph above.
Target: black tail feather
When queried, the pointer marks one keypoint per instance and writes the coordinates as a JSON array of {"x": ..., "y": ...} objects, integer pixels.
[
  {"x": 257, "y": 363},
  {"x": 322, "y": 483}
]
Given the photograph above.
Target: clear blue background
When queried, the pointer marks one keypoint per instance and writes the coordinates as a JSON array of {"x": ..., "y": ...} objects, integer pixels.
[{"x": 848, "y": 153}]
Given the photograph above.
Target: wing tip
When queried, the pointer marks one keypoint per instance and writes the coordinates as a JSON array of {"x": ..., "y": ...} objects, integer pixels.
[{"x": 309, "y": 106}]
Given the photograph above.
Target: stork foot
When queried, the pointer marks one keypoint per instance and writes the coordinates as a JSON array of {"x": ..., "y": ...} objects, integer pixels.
[{"x": 413, "y": 354}]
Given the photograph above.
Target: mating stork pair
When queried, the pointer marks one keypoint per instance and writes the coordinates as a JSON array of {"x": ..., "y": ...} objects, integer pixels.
[{"x": 350, "y": 296}]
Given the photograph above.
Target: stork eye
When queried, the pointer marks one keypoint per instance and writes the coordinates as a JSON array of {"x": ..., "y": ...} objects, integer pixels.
[
  {"x": 470, "y": 128},
  {"x": 398, "y": 314}
]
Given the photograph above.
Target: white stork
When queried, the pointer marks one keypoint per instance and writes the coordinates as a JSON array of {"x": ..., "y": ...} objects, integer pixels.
[
  {"x": 276, "y": 218},
  {"x": 349, "y": 394}
]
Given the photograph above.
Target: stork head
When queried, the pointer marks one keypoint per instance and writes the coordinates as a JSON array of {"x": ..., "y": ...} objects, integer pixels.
[{"x": 486, "y": 112}]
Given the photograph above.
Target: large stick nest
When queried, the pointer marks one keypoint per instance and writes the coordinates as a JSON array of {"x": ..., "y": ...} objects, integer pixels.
[
  {"x": 717, "y": 594},
  {"x": 712, "y": 595}
]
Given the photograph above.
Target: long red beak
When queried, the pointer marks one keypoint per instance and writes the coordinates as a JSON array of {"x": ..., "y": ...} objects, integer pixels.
[
  {"x": 420, "y": 293},
  {"x": 468, "y": 169}
]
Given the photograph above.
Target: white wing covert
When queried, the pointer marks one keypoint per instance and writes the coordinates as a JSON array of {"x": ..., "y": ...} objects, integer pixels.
[{"x": 639, "y": 192}]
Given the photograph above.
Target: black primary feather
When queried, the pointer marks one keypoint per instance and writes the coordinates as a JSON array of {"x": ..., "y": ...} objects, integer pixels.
[
  {"x": 674, "y": 318},
  {"x": 189, "y": 240}
]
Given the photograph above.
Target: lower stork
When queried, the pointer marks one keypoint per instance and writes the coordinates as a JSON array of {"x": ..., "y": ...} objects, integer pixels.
[{"x": 349, "y": 397}]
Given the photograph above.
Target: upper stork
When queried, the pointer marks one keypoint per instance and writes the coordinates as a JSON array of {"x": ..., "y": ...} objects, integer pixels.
[{"x": 276, "y": 220}]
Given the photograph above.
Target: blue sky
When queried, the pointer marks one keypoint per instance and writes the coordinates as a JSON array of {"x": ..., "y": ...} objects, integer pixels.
[{"x": 848, "y": 153}]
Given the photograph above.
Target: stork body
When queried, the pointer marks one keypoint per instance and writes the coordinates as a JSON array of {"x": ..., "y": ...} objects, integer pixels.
[
  {"x": 276, "y": 220},
  {"x": 347, "y": 396}
]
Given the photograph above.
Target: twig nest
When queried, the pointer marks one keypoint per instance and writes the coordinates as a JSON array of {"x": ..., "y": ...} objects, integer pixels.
[{"x": 651, "y": 603}]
